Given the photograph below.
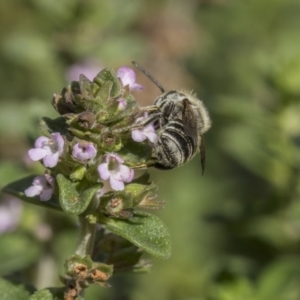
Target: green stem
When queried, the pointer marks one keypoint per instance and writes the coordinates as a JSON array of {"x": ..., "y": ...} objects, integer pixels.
[
  {"x": 87, "y": 231},
  {"x": 86, "y": 239},
  {"x": 87, "y": 234}
]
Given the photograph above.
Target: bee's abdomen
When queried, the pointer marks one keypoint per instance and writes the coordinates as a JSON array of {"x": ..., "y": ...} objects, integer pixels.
[{"x": 174, "y": 147}]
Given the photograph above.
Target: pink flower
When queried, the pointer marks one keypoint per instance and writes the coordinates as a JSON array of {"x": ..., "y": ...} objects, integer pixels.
[
  {"x": 147, "y": 132},
  {"x": 128, "y": 77},
  {"x": 48, "y": 149},
  {"x": 84, "y": 151},
  {"x": 114, "y": 170},
  {"x": 42, "y": 186}
]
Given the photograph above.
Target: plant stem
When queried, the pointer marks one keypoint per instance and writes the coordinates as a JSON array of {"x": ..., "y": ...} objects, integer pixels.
[
  {"x": 87, "y": 231},
  {"x": 86, "y": 237}
]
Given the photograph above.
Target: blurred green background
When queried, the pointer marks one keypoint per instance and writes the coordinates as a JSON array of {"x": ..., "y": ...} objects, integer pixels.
[{"x": 235, "y": 230}]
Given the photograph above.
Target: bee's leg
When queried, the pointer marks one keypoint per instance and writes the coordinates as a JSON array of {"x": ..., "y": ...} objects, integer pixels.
[
  {"x": 146, "y": 165},
  {"x": 150, "y": 119},
  {"x": 155, "y": 114},
  {"x": 150, "y": 108}
]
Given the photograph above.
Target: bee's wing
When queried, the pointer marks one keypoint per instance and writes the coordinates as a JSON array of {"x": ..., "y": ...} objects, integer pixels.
[
  {"x": 189, "y": 120},
  {"x": 190, "y": 128},
  {"x": 202, "y": 154}
]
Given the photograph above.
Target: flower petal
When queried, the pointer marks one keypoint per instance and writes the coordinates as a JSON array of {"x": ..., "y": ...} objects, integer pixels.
[
  {"x": 46, "y": 194},
  {"x": 126, "y": 174},
  {"x": 76, "y": 150},
  {"x": 103, "y": 171},
  {"x": 116, "y": 184},
  {"x": 152, "y": 137},
  {"x": 91, "y": 150},
  {"x": 126, "y": 75},
  {"x": 41, "y": 142},
  {"x": 138, "y": 135},
  {"x": 59, "y": 140},
  {"x": 84, "y": 151},
  {"x": 50, "y": 180},
  {"x": 122, "y": 104},
  {"x": 114, "y": 157},
  {"x": 136, "y": 87},
  {"x": 51, "y": 161},
  {"x": 37, "y": 153},
  {"x": 33, "y": 190}
]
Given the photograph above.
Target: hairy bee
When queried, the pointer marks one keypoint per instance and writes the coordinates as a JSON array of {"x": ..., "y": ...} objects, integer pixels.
[{"x": 181, "y": 120}]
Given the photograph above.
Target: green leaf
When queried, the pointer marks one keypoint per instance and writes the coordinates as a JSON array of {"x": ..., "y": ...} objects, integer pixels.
[
  {"x": 110, "y": 76},
  {"x": 139, "y": 193},
  {"x": 17, "y": 252},
  {"x": 104, "y": 92},
  {"x": 48, "y": 126},
  {"x": 135, "y": 154},
  {"x": 49, "y": 294},
  {"x": 143, "y": 179},
  {"x": 71, "y": 198},
  {"x": 18, "y": 187},
  {"x": 10, "y": 291},
  {"x": 144, "y": 230},
  {"x": 86, "y": 86},
  {"x": 78, "y": 173}
]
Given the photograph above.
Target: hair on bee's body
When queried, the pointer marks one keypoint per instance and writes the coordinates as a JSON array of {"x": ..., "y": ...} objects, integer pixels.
[{"x": 181, "y": 120}]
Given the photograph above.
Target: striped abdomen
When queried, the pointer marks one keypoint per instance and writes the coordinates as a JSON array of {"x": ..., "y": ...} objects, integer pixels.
[{"x": 174, "y": 147}]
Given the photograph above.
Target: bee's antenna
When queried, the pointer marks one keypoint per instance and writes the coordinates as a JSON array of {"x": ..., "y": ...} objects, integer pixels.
[{"x": 149, "y": 76}]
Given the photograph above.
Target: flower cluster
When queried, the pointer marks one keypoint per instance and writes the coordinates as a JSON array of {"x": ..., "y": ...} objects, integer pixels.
[{"x": 89, "y": 139}]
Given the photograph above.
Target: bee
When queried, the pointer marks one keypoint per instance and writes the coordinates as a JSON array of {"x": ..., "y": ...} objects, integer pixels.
[{"x": 181, "y": 119}]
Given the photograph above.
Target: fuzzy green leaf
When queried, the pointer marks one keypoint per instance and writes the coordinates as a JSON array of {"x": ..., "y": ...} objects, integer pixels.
[
  {"x": 86, "y": 86},
  {"x": 10, "y": 291},
  {"x": 104, "y": 93},
  {"x": 72, "y": 199},
  {"x": 143, "y": 179},
  {"x": 135, "y": 154},
  {"x": 48, "y": 126},
  {"x": 144, "y": 230},
  {"x": 18, "y": 187},
  {"x": 109, "y": 75}
]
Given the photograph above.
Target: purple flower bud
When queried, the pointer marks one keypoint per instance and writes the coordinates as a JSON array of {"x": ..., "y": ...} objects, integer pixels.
[
  {"x": 128, "y": 77},
  {"x": 42, "y": 186},
  {"x": 122, "y": 104},
  {"x": 48, "y": 149},
  {"x": 147, "y": 132},
  {"x": 114, "y": 170},
  {"x": 84, "y": 151}
]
